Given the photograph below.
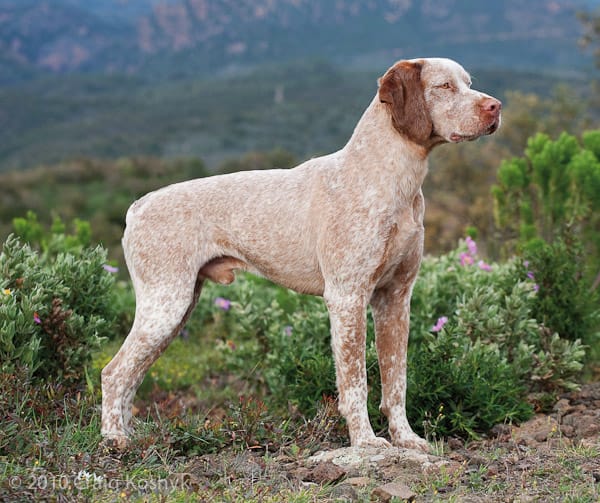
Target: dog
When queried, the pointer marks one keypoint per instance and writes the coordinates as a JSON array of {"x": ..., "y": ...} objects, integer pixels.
[{"x": 347, "y": 226}]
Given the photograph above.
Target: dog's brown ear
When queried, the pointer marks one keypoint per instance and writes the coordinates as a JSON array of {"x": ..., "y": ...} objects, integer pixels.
[{"x": 401, "y": 89}]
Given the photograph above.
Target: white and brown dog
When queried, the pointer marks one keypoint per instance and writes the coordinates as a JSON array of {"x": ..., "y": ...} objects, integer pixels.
[{"x": 347, "y": 226}]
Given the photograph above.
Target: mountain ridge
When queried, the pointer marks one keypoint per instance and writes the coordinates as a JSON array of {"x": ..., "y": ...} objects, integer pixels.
[{"x": 200, "y": 36}]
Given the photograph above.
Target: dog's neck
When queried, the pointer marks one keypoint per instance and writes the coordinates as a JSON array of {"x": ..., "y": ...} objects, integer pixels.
[{"x": 384, "y": 152}]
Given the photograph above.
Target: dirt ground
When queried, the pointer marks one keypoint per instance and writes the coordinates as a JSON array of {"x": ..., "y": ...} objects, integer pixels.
[{"x": 552, "y": 457}]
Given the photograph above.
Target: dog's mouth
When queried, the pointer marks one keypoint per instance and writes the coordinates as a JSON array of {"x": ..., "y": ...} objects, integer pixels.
[
  {"x": 492, "y": 128},
  {"x": 457, "y": 138}
]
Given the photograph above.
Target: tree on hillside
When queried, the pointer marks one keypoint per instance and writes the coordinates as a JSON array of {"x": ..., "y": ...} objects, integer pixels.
[
  {"x": 591, "y": 39},
  {"x": 591, "y": 36}
]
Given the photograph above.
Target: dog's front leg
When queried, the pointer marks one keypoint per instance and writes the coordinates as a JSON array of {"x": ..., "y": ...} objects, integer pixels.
[
  {"x": 391, "y": 313},
  {"x": 348, "y": 338}
]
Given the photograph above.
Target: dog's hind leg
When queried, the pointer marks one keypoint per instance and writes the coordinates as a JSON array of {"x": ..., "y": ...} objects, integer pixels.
[{"x": 164, "y": 301}]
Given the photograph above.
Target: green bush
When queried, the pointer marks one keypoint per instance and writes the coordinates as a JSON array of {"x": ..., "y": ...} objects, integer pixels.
[
  {"x": 550, "y": 192},
  {"x": 564, "y": 303},
  {"x": 498, "y": 305},
  {"x": 476, "y": 351},
  {"x": 56, "y": 240},
  {"x": 457, "y": 386},
  {"x": 55, "y": 307}
]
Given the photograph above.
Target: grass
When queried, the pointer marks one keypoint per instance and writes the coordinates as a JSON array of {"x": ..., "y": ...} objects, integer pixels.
[
  {"x": 206, "y": 431},
  {"x": 544, "y": 474},
  {"x": 195, "y": 369},
  {"x": 200, "y": 443}
]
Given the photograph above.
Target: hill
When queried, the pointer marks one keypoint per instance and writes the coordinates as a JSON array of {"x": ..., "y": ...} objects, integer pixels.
[
  {"x": 307, "y": 108},
  {"x": 166, "y": 38}
]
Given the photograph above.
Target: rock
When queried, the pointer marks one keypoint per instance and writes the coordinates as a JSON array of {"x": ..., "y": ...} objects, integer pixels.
[
  {"x": 455, "y": 443},
  {"x": 354, "y": 457},
  {"x": 502, "y": 430},
  {"x": 536, "y": 430},
  {"x": 562, "y": 407},
  {"x": 585, "y": 424},
  {"x": 477, "y": 460},
  {"x": 443, "y": 466},
  {"x": 567, "y": 431},
  {"x": 383, "y": 464},
  {"x": 325, "y": 473},
  {"x": 359, "y": 481},
  {"x": 589, "y": 392},
  {"x": 344, "y": 492},
  {"x": 493, "y": 470},
  {"x": 346, "y": 457},
  {"x": 394, "y": 489}
]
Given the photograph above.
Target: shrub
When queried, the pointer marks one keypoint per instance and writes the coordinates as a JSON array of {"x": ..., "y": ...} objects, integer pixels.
[
  {"x": 53, "y": 309},
  {"x": 457, "y": 386},
  {"x": 564, "y": 303},
  {"x": 484, "y": 354},
  {"x": 56, "y": 240},
  {"x": 551, "y": 191},
  {"x": 495, "y": 304}
]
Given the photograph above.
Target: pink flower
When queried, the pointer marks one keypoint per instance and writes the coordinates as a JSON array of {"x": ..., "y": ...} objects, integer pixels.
[
  {"x": 222, "y": 303},
  {"x": 531, "y": 276},
  {"x": 110, "y": 268},
  {"x": 287, "y": 330},
  {"x": 466, "y": 259},
  {"x": 471, "y": 246},
  {"x": 484, "y": 266},
  {"x": 439, "y": 324},
  {"x": 37, "y": 319}
]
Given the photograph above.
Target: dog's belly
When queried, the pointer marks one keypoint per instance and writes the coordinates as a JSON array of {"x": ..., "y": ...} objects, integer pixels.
[
  {"x": 302, "y": 280},
  {"x": 288, "y": 262},
  {"x": 296, "y": 276}
]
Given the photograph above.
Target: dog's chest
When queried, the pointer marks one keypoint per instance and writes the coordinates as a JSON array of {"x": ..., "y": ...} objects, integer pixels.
[{"x": 402, "y": 247}]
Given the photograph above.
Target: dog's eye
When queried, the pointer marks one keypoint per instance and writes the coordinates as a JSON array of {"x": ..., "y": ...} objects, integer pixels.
[{"x": 445, "y": 85}]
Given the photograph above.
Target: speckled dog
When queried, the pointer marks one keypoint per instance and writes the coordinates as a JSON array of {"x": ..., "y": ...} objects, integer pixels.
[{"x": 347, "y": 226}]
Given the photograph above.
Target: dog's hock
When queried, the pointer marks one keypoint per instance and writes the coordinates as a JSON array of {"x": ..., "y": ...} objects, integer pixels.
[{"x": 221, "y": 269}]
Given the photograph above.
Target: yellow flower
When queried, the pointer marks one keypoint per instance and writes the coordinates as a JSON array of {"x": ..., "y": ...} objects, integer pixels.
[{"x": 6, "y": 291}]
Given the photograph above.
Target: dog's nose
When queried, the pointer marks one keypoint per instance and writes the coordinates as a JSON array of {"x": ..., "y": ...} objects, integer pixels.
[{"x": 491, "y": 105}]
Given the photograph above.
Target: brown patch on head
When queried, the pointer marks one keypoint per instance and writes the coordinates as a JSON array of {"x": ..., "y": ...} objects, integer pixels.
[{"x": 401, "y": 89}]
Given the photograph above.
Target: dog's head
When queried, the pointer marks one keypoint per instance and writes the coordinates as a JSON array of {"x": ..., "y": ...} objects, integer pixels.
[{"x": 431, "y": 102}]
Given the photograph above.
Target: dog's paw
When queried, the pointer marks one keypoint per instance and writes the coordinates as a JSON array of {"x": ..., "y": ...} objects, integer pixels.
[
  {"x": 373, "y": 441},
  {"x": 115, "y": 443},
  {"x": 412, "y": 442}
]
